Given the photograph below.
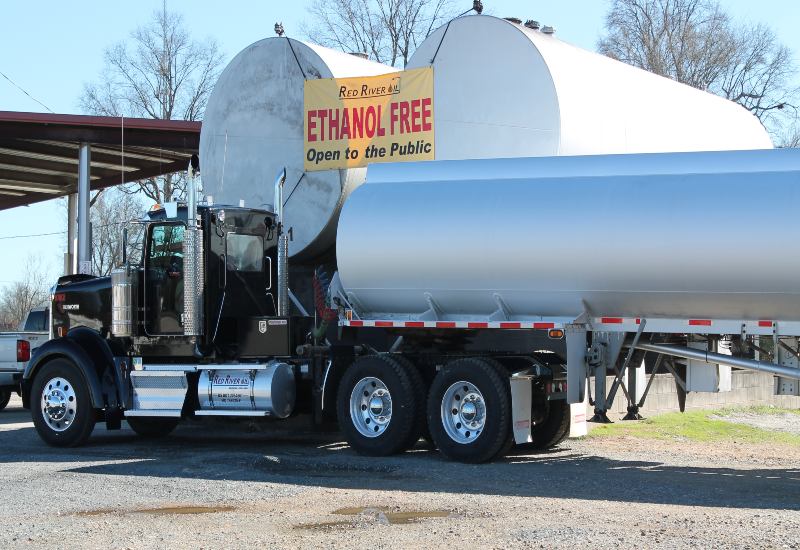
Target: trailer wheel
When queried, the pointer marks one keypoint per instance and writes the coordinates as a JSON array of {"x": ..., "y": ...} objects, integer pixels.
[
  {"x": 152, "y": 428},
  {"x": 469, "y": 410},
  {"x": 379, "y": 405},
  {"x": 62, "y": 408},
  {"x": 554, "y": 429}
]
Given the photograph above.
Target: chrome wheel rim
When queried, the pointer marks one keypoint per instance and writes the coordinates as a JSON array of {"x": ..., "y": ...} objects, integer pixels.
[
  {"x": 59, "y": 404},
  {"x": 370, "y": 406},
  {"x": 463, "y": 412}
]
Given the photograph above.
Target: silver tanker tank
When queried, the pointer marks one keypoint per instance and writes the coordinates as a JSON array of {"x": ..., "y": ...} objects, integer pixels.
[
  {"x": 253, "y": 127},
  {"x": 676, "y": 235}
]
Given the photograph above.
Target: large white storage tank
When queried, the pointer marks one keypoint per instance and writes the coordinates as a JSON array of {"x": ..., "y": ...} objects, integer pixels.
[
  {"x": 253, "y": 127},
  {"x": 504, "y": 90}
]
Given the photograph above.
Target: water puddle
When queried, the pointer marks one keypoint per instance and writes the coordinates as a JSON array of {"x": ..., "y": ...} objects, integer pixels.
[
  {"x": 380, "y": 515},
  {"x": 163, "y": 510}
]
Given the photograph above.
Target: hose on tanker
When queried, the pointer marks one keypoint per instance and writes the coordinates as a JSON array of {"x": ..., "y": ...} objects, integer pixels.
[{"x": 321, "y": 282}]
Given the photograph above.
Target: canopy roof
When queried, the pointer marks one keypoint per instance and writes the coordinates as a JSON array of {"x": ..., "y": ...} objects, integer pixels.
[{"x": 39, "y": 152}]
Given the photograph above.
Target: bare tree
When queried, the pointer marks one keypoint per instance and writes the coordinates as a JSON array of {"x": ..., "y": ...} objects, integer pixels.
[
  {"x": 695, "y": 42},
  {"x": 18, "y": 298},
  {"x": 388, "y": 30},
  {"x": 163, "y": 74},
  {"x": 791, "y": 138},
  {"x": 112, "y": 213}
]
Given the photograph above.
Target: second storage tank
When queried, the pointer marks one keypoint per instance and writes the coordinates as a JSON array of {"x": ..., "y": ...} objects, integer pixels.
[{"x": 504, "y": 90}]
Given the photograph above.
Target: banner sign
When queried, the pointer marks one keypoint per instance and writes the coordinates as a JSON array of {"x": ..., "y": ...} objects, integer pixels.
[{"x": 351, "y": 122}]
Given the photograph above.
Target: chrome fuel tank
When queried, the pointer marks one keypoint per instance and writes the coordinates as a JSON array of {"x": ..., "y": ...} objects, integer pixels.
[
  {"x": 684, "y": 235},
  {"x": 269, "y": 388}
]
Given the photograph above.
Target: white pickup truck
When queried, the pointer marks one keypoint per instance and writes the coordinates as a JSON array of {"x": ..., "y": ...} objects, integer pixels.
[{"x": 16, "y": 349}]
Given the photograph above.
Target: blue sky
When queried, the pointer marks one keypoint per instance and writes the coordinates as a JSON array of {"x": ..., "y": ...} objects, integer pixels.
[{"x": 51, "y": 48}]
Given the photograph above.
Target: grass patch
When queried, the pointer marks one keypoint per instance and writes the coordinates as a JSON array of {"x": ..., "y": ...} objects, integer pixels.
[
  {"x": 757, "y": 409},
  {"x": 702, "y": 426}
]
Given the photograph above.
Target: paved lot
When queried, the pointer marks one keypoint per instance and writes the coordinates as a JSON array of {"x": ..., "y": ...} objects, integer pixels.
[{"x": 226, "y": 486}]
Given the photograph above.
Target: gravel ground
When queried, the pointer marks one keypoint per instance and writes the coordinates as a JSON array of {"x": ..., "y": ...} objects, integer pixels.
[
  {"x": 779, "y": 422},
  {"x": 224, "y": 487}
]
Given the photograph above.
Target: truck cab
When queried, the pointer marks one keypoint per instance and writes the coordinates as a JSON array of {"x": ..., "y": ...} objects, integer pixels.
[{"x": 192, "y": 325}]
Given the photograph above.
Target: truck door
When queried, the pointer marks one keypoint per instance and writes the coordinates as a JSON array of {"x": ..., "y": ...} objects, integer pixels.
[
  {"x": 249, "y": 275},
  {"x": 163, "y": 279}
]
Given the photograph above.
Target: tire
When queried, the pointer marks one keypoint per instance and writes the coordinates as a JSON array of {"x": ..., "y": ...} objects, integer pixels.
[
  {"x": 553, "y": 429},
  {"x": 152, "y": 428},
  {"x": 379, "y": 405},
  {"x": 478, "y": 390},
  {"x": 67, "y": 418},
  {"x": 5, "y": 397}
]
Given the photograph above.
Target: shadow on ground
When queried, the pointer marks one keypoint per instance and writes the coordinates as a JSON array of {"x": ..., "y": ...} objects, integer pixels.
[{"x": 306, "y": 458}]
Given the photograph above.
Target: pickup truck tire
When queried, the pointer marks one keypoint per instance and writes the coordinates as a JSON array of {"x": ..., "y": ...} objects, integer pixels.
[
  {"x": 152, "y": 428},
  {"x": 469, "y": 410},
  {"x": 379, "y": 405},
  {"x": 5, "y": 397},
  {"x": 61, "y": 405}
]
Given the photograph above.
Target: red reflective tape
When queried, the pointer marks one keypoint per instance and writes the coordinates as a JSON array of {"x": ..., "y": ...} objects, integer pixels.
[
  {"x": 544, "y": 325},
  {"x": 445, "y": 324},
  {"x": 415, "y": 324},
  {"x": 477, "y": 325},
  {"x": 638, "y": 321},
  {"x": 510, "y": 325},
  {"x": 384, "y": 324},
  {"x": 356, "y": 323},
  {"x": 611, "y": 320},
  {"x": 700, "y": 322},
  {"x": 765, "y": 324}
]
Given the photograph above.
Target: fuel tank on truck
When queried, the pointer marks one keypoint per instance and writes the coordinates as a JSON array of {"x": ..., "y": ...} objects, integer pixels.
[
  {"x": 253, "y": 127},
  {"x": 502, "y": 89},
  {"x": 673, "y": 235}
]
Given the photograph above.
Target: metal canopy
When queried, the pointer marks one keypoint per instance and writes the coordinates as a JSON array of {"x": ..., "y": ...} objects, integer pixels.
[{"x": 39, "y": 152}]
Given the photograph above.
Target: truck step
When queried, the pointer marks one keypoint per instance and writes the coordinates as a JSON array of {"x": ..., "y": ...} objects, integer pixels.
[
  {"x": 231, "y": 413},
  {"x": 158, "y": 391},
  {"x": 154, "y": 412}
]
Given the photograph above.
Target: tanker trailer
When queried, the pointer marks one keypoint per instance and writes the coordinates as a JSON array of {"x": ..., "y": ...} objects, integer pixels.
[{"x": 610, "y": 256}]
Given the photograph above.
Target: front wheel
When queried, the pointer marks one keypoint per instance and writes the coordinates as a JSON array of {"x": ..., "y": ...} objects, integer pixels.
[
  {"x": 61, "y": 405},
  {"x": 469, "y": 410},
  {"x": 152, "y": 428},
  {"x": 5, "y": 397}
]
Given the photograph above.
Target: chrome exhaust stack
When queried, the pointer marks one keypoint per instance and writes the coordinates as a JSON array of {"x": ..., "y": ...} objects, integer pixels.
[
  {"x": 193, "y": 280},
  {"x": 283, "y": 248}
]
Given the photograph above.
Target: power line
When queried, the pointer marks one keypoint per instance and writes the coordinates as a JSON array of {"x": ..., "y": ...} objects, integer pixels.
[
  {"x": 100, "y": 226},
  {"x": 36, "y": 235},
  {"x": 20, "y": 88}
]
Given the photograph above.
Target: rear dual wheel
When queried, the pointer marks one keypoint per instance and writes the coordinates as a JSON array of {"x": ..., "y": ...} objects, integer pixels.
[
  {"x": 380, "y": 405},
  {"x": 152, "y": 428},
  {"x": 469, "y": 410}
]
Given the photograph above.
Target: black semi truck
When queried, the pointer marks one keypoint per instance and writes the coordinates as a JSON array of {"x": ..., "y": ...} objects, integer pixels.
[{"x": 203, "y": 325}]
